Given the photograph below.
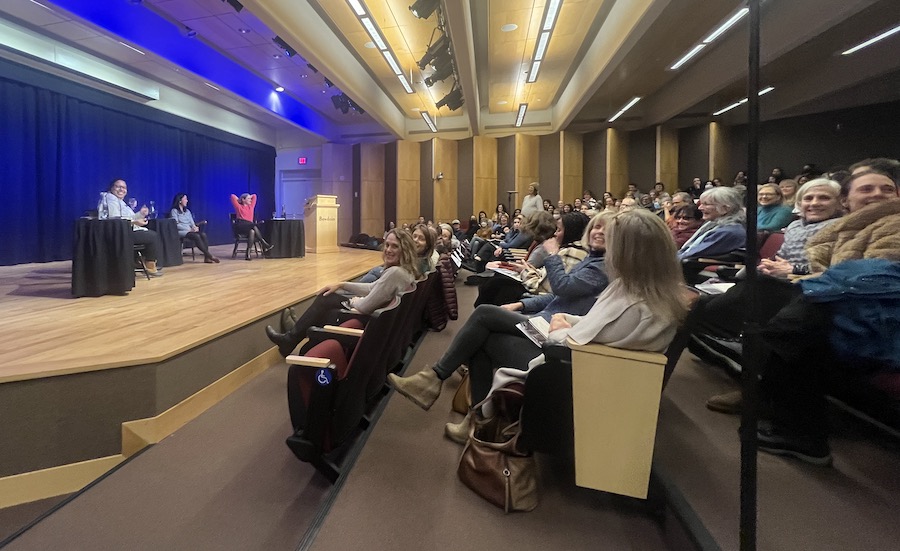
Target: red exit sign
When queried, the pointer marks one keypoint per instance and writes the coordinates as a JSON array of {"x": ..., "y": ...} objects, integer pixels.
[{"x": 301, "y": 161}]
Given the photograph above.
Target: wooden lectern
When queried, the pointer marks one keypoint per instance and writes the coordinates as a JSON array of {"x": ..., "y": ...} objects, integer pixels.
[{"x": 320, "y": 222}]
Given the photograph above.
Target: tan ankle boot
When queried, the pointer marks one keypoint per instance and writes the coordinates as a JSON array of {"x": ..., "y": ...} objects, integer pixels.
[
  {"x": 731, "y": 403},
  {"x": 151, "y": 268},
  {"x": 423, "y": 388},
  {"x": 459, "y": 432}
]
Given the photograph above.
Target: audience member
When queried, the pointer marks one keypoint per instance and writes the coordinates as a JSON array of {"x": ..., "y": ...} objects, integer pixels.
[
  {"x": 723, "y": 229},
  {"x": 684, "y": 221},
  {"x": 772, "y": 214},
  {"x": 401, "y": 270},
  {"x": 533, "y": 201},
  {"x": 476, "y": 344}
]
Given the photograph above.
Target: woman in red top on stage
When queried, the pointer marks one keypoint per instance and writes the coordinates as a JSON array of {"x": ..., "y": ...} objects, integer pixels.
[{"x": 244, "y": 208}]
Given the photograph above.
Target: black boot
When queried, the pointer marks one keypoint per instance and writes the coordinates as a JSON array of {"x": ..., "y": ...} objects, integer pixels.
[{"x": 285, "y": 341}]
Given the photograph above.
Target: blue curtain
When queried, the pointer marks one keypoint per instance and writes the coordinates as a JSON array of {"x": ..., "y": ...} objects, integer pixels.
[{"x": 62, "y": 143}]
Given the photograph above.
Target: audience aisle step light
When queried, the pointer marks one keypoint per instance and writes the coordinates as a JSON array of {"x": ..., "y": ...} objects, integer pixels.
[{"x": 424, "y": 8}]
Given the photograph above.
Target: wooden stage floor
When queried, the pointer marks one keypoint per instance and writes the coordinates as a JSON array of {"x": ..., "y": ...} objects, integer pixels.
[{"x": 46, "y": 332}]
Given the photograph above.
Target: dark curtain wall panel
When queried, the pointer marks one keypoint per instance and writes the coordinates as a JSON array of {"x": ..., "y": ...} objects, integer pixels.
[{"x": 62, "y": 143}]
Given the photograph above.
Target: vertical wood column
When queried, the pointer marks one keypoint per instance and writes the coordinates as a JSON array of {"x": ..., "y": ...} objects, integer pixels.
[
  {"x": 718, "y": 151},
  {"x": 527, "y": 166},
  {"x": 484, "y": 152},
  {"x": 337, "y": 179},
  {"x": 372, "y": 189},
  {"x": 616, "y": 162},
  {"x": 408, "y": 167},
  {"x": 444, "y": 160},
  {"x": 571, "y": 165},
  {"x": 667, "y": 157}
]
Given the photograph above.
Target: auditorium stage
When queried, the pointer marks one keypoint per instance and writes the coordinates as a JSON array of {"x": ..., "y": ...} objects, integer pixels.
[
  {"x": 47, "y": 332},
  {"x": 76, "y": 373}
]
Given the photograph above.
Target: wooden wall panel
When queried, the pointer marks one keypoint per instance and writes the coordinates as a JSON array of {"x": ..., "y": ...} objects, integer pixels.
[
  {"x": 594, "y": 153},
  {"x": 337, "y": 179},
  {"x": 408, "y": 189},
  {"x": 667, "y": 157},
  {"x": 527, "y": 165},
  {"x": 372, "y": 188},
  {"x": 484, "y": 194},
  {"x": 445, "y": 161},
  {"x": 718, "y": 151},
  {"x": 571, "y": 166},
  {"x": 616, "y": 161}
]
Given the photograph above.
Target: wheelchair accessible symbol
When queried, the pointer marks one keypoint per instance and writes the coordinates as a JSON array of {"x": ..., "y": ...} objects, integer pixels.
[{"x": 323, "y": 376}]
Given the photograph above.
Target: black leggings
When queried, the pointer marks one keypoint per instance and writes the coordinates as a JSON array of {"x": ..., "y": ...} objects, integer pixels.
[
  {"x": 150, "y": 240},
  {"x": 198, "y": 239},
  {"x": 323, "y": 310}
]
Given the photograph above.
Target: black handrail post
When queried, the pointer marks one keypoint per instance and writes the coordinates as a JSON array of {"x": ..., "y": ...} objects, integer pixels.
[{"x": 750, "y": 356}]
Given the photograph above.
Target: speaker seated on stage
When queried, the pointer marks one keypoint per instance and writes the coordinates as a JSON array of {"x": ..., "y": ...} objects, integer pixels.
[
  {"x": 188, "y": 230},
  {"x": 244, "y": 223},
  {"x": 112, "y": 205},
  {"x": 402, "y": 269}
]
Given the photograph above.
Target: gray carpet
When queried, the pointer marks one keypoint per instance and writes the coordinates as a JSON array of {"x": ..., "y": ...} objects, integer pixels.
[{"x": 224, "y": 481}]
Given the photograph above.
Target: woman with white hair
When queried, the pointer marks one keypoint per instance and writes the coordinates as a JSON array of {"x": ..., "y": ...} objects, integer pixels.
[{"x": 723, "y": 225}]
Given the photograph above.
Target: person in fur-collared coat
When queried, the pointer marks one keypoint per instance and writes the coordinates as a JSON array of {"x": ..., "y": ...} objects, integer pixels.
[{"x": 872, "y": 232}]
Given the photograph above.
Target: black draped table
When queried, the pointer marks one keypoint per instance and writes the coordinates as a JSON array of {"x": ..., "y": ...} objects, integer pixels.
[
  {"x": 103, "y": 258},
  {"x": 167, "y": 228},
  {"x": 287, "y": 238}
]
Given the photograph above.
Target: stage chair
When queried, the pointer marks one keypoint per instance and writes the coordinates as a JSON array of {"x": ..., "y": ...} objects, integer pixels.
[
  {"x": 240, "y": 238},
  {"x": 138, "y": 250}
]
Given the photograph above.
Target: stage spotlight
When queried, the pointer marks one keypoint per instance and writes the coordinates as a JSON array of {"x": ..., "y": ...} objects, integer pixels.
[
  {"x": 356, "y": 107},
  {"x": 424, "y": 8},
  {"x": 234, "y": 4},
  {"x": 439, "y": 46},
  {"x": 329, "y": 84},
  {"x": 441, "y": 72},
  {"x": 342, "y": 102},
  {"x": 285, "y": 47},
  {"x": 454, "y": 100}
]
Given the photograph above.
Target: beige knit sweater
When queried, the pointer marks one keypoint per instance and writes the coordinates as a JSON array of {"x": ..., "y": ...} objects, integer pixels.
[{"x": 871, "y": 232}]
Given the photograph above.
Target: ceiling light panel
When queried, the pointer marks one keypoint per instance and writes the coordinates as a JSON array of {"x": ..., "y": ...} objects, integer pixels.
[
  {"x": 872, "y": 40},
  {"x": 360, "y": 10},
  {"x": 523, "y": 66},
  {"x": 627, "y": 106},
  {"x": 717, "y": 32}
]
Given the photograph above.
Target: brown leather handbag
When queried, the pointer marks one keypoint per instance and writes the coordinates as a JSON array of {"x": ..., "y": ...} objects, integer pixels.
[{"x": 493, "y": 465}]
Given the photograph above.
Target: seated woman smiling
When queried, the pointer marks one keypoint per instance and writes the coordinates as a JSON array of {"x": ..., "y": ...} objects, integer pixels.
[
  {"x": 401, "y": 270},
  {"x": 640, "y": 309}
]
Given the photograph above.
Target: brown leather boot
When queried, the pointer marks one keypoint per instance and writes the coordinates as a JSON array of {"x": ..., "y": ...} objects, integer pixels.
[{"x": 422, "y": 389}]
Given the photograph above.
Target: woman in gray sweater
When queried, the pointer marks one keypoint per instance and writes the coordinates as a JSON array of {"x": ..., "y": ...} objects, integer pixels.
[{"x": 401, "y": 271}]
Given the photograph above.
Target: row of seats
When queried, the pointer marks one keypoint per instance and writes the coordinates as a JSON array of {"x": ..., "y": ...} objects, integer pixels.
[{"x": 340, "y": 374}]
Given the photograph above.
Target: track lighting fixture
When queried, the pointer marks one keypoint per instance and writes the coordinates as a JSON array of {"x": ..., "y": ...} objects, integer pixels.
[
  {"x": 234, "y": 4},
  {"x": 454, "y": 100},
  {"x": 437, "y": 49},
  {"x": 441, "y": 72},
  {"x": 285, "y": 47},
  {"x": 343, "y": 102},
  {"x": 424, "y": 8}
]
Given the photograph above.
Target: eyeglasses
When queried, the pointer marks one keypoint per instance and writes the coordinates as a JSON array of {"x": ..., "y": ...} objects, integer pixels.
[
  {"x": 682, "y": 218},
  {"x": 767, "y": 194}
]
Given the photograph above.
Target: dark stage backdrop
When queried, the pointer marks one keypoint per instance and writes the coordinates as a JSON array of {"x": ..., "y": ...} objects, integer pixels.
[{"x": 61, "y": 144}]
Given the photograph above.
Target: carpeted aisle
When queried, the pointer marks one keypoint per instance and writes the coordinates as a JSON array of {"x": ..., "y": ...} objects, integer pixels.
[
  {"x": 403, "y": 492},
  {"x": 224, "y": 481}
]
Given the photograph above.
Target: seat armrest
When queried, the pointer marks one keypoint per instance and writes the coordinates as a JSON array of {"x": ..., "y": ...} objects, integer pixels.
[
  {"x": 317, "y": 335},
  {"x": 622, "y": 353},
  {"x": 348, "y": 331},
  {"x": 309, "y": 361}
]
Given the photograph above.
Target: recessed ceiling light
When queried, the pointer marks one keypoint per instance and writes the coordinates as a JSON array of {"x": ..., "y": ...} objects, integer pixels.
[
  {"x": 502, "y": 102},
  {"x": 276, "y": 56},
  {"x": 871, "y": 41},
  {"x": 211, "y": 86},
  {"x": 304, "y": 75},
  {"x": 509, "y": 27},
  {"x": 279, "y": 88},
  {"x": 417, "y": 109},
  {"x": 244, "y": 31},
  {"x": 369, "y": 44}
]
